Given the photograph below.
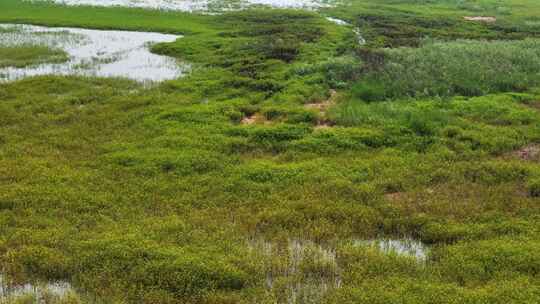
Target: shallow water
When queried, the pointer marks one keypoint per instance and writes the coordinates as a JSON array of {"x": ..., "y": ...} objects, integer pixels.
[
  {"x": 404, "y": 247},
  {"x": 357, "y": 32},
  {"x": 361, "y": 39},
  {"x": 337, "y": 21},
  {"x": 290, "y": 283},
  {"x": 55, "y": 289},
  {"x": 306, "y": 287},
  {"x": 93, "y": 53},
  {"x": 197, "y": 5}
]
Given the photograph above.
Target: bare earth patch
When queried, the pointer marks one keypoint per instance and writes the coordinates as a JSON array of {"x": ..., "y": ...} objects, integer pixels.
[
  {"x": 322, "y": 107},
  {"x": 249, "y": 120},
  {"x": 253, "y": 119},
  {"x": 322, "y": 126},
  {"x": 395, "y": 196},
  {"x": 480, "y": 19},
  {"x": 530, "y": 152},
  {"x": 533, "y": 104}
]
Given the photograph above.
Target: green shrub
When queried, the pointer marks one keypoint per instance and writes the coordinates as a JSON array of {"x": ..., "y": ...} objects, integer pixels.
[
  {"x": 38, "y": 261},
  {"x": 192, "y": 276},
  {"x": 302, "y": 116},
  {"x": 188, "y": 162},
  {"x": 533, "y": 187},
  {"x": 492, "y": 173},
  {"x": 368, "y": 91},
  {"x": 451, "y": 132},
  {"x": 338, "y": 72},
  {"x": 473, "y": 262},
  {"x": 279, "y": 133},
  {"x": 269, "y": 173},
  {"x": 234, "y": 115}
]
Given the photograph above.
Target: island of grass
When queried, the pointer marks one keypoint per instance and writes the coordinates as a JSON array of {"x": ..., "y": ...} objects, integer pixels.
[{"x": 22, "y": 56}]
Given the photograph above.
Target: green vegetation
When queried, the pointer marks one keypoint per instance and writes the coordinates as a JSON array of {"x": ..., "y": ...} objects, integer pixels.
[
  {"x": 396, "y": 23},
  {"x": 23, "y": 56},
  {"x": 255, "y": 178},
  {"x": 469, "y": 68}
]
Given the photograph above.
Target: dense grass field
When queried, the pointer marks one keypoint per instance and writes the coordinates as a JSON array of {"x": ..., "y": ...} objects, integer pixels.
[{"x": 274, "y": 170}]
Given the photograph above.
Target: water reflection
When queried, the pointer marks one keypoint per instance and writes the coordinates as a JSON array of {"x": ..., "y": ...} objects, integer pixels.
[{"x": 93, "y": 53}]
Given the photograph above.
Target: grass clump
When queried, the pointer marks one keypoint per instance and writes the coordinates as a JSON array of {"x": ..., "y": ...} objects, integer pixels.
[{"x": 368, "y": 91}]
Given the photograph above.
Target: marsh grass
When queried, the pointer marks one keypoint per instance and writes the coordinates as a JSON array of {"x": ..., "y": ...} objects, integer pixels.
[
  {"x": 468, "y": 68},
  {"x": 298, "y": 271},
  {"x": 37, "y": 292},
  {"x": 148, "y": 194},
  {"x": 279, "y": 181}
]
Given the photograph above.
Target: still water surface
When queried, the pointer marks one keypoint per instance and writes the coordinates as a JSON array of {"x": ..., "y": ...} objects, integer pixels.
[{"x": 93, "y": 53}]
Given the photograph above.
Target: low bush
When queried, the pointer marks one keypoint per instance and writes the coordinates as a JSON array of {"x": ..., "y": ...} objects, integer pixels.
[
  {"x": 368, "y": 91},
  {"x": 533, "y": 187}
]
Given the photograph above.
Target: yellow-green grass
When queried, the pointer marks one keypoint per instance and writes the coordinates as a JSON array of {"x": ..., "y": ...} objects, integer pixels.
[{"x": 157, "y": 195}]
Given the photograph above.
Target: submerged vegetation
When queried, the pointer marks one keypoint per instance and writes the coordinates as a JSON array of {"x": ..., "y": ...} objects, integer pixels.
[{"x": 271, "y": 172}]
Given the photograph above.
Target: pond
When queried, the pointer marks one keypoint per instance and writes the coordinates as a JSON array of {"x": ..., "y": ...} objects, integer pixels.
[{"x": 93, "y": 53}]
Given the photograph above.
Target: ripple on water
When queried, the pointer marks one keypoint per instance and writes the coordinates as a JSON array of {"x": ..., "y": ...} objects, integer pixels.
[{"x": 93, "y": 53}]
